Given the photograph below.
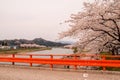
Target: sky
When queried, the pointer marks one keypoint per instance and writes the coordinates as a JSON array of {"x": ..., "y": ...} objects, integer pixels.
[{"x": 29, "y": 19}]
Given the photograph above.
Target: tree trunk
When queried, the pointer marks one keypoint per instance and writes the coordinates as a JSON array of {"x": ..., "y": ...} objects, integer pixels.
[{"x": 113, "y": 51}]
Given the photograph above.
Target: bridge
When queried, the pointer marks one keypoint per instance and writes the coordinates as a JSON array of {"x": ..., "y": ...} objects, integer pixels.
[{"x": 60, "y": 59}]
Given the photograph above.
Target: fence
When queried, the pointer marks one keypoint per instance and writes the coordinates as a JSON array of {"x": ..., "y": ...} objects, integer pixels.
[{"x": 69, "y": 60}]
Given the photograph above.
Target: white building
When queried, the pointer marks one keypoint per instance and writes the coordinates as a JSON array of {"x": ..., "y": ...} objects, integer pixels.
[{"x": 4, "y": 47}]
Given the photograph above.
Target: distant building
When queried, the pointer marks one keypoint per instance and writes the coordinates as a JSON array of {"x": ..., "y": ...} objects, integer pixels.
[
  {"x": 4, "y": 47},
  {"x": 14, "y": 47}
]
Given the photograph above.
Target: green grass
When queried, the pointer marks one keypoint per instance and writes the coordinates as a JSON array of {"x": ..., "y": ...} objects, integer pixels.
[
  {"x": 106, "y": 53},
  {"x": 15, "y": 51},
  {"x": 109, "y": 58},
  {"x": 110, "y": 69}
]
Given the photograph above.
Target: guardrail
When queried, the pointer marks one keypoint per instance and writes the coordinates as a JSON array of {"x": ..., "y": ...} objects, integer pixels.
[{"x": 69, "y": 60}]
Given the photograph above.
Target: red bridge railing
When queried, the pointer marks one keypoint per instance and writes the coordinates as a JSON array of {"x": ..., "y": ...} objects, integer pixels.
[{"x": 70, "y": 60}]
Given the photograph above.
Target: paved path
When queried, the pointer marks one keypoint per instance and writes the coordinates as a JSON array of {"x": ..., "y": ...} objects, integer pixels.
[{"x": 20, "y": 73}]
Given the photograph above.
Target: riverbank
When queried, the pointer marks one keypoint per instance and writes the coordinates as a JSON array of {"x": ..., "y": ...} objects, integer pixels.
[{"x": 22, "y": 50}]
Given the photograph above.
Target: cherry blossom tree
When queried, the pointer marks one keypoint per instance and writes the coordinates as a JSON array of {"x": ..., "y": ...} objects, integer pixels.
[{"x": 97, "y": 26}]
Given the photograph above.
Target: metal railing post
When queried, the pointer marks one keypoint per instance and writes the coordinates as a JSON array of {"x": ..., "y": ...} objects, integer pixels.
[
  {"x": 104, "y": 58},
  {"x": 30, "y": 58},
  {"x": 51, "y": 65},
  {"x": 13, "y": 56},
  {"x": 75, "y": 66}
]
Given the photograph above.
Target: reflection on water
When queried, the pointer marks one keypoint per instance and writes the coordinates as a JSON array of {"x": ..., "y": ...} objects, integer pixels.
[{"x": 54, "y": 51}]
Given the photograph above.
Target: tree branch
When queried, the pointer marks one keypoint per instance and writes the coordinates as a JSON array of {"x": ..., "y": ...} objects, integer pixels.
[{"x": 104, "y": 32}]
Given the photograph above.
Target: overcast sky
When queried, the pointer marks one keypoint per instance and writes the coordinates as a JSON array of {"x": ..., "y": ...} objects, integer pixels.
[{"x": 31, "y": 19}]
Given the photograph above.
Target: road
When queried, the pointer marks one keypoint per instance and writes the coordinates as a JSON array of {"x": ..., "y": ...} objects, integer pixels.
[{"x": 21, "y": 73}]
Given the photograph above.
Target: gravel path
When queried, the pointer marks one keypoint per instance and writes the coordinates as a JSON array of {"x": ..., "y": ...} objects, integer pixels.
[{"x": 20, "y": 73}]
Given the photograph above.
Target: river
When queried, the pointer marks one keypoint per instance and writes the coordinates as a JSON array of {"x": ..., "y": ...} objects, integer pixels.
[{"x": 54, "y": 51}]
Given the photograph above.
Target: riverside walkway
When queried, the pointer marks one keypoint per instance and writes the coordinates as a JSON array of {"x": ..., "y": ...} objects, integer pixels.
[{"x": 10, "y": 72}]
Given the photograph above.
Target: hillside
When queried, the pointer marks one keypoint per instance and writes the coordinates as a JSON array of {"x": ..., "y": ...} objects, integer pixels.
[{"x": 39, "y": 41}]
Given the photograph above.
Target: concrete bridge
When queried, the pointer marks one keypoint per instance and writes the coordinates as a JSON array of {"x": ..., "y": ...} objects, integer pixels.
[
  {"x": 49, "y": 67},
  {"x": 13, "y": 72}
]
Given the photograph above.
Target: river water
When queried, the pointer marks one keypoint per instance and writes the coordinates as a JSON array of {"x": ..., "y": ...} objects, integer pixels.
[{"x": 54, "y": 51}]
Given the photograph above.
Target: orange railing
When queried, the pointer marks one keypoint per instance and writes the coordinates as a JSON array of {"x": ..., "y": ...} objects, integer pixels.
[{"x": 55, "y": 59}]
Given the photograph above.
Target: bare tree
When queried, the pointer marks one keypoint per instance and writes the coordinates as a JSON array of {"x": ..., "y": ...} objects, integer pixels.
[{"x": 97, "y": 26}]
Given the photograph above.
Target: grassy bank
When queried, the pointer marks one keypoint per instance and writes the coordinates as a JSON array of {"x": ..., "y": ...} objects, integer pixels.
[
  {"x": 20, "y": 50},
  {"x": 109, "y": 58}
]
